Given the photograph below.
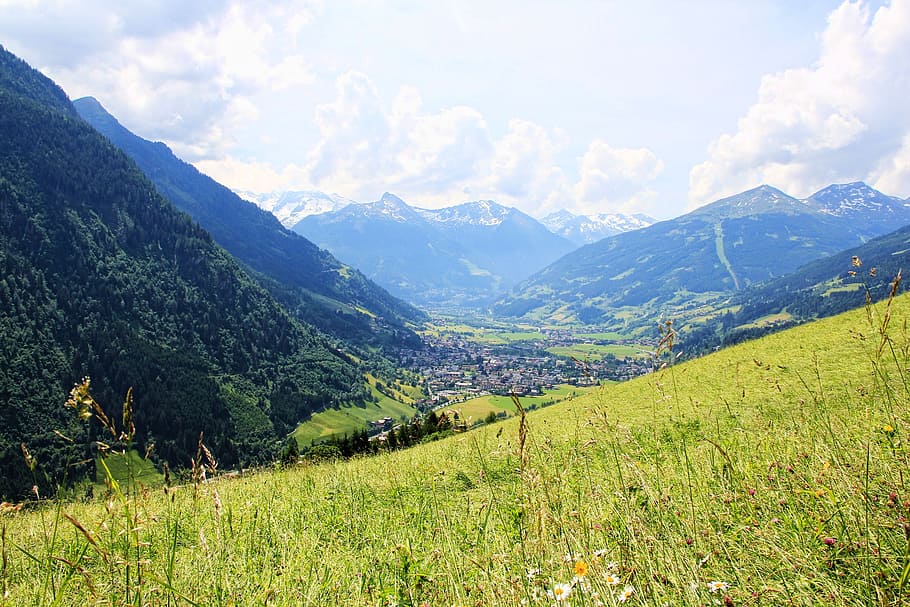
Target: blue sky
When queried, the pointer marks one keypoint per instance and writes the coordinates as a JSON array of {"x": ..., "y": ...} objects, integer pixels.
[{"x": 653, "y": 107}]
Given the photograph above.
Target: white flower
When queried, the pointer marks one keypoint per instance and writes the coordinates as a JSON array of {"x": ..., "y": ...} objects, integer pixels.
[
  {"x": 561, "y": 592},
  {"x": 626, "y": 594},
  {"x": 717, "y": 586}
]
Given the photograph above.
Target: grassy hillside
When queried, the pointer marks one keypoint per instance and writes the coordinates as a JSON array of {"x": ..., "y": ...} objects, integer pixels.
[
  {"x": 476, "y": 409},
  {"x": 771, "y": 473}
]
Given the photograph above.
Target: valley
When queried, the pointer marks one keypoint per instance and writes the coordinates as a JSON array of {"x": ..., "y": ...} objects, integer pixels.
[{"x": 505, "y": 384}]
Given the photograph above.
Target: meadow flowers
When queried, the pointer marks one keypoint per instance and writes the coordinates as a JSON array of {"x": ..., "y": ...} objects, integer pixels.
[
  {"x": 626, "y": 594},
  {"x": 581, "y": 569},
  {"x": 717, "y": 586},
  {"x": 561, "y": 592}
]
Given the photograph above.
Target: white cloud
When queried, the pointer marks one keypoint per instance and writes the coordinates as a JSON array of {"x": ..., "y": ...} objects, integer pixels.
[
  {"x": 842, "y": 119},
  {"x": 176, "y": 71},
  {"x": 616, "y": 179},
  {"x": 524, "y": 167},
  {"x": 436, "y": 158}
]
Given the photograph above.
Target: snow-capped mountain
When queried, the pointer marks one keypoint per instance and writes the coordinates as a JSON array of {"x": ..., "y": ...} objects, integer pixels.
[
  {"x": 459, "y": 255},
  {"x": 479, "y": 213},
  {"x": 291, "y": 207},
  {"x": 585, "y": 229},
  {"x": 855, "y": 198}
]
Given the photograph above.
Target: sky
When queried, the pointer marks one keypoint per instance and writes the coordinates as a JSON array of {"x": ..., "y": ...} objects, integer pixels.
[{"x": 606, "y": 106}]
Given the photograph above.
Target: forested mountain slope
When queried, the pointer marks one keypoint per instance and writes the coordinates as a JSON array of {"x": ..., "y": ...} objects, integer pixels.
[
  {"x": 310, "y": 282},
  {"x": 100, "y": 276}
]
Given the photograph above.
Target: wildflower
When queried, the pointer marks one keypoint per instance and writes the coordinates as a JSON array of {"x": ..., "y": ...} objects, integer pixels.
[
  {"x": 829, "y": 541},
  {"x": 716, "y": 586},
  {"x": 626, "y": 594},
  {"x": 855, "y": 262},
  {"x": 600, "y": 553},
  {"x": 611, "y": 580},
  {"x": 888, "y": 429},
  {"x": 581, "y": 569},
  {"x": 532, "y": 573},
  {"x": 561, "y": 592}
]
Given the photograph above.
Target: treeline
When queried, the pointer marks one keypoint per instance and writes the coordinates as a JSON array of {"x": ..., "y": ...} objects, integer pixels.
[{"x": 419, "y": 430}]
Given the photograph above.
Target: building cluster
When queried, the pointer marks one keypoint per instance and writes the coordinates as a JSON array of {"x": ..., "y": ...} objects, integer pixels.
[{"x": 456, "y": 368}]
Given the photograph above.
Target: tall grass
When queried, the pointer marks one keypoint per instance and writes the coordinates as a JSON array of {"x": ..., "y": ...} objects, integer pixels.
[{"x": 771, "y": 473}]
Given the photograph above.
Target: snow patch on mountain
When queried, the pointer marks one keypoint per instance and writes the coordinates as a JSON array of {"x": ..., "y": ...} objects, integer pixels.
[
  {"x": 847, "y": 199},
  {"x": 584, "y": 229},
  {"x": 478, "y": 213},
  {"x": 290, "y": 207}
]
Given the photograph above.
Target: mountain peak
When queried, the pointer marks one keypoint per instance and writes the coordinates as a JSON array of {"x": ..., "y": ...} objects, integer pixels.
[
  {"x": 291, "y": 206},
  {"x": 391, "y": 199},
  {"x": 854, "y": 198},
  {"x": 762, "y": 199}
]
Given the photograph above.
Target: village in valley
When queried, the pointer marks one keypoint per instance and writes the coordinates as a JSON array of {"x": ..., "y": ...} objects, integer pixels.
[{"x": 459, "y": 363}]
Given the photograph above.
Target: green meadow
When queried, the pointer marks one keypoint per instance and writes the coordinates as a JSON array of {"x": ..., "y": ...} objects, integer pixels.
[
  {"x": 598, "y": 351},
  {"x": 476, "y": 409},
  {"x": 771, "y": 473},
  {"x": 349, "y": 419}
]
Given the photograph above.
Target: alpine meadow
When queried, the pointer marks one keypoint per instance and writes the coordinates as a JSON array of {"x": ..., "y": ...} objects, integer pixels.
[
  {"x": 462, "y": 304},
  {"x": 768, "y": 473}
]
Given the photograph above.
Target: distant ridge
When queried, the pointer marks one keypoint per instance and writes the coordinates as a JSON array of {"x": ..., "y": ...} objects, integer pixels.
[
  {"x": 459, "y": 256},
  {"x": 636, "y": 277},
  {"x": 585, "y": 229},
  {"x": 292, "y": 206}
]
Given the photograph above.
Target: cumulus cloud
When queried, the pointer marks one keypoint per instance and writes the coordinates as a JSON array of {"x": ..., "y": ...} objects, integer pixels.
[
  {"x": 177, "y": 71},
  {"x": 524, "y": 166},
  {"x": 197, "y": 75},
  {"x": 842, "y": 119},
  {"x": 366, "y": 147},
  {"x": 447, "y": 156},
  {"x": 616, "y": 179}
]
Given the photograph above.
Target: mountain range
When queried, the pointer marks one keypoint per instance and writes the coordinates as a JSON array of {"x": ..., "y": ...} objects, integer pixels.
[
  {"x": 310, "y": 282},
  {"x": 453, "y": 257},
  {"x": 636, "y": 277}
]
